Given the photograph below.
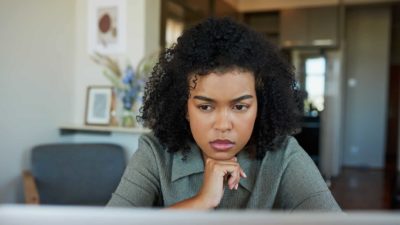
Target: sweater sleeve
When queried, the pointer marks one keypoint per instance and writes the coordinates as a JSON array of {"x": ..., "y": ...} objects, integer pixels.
[
  {"x": 139, "y": 185},
  {"x": 302, "y": 186}
]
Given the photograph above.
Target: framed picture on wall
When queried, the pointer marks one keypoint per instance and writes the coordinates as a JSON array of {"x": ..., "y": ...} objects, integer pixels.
[
  {"x": 98, "y": 105},
  {"x": 107, "y": 26}
]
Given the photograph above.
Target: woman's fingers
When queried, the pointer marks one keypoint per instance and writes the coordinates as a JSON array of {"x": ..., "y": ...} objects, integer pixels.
[
  {"x": 230, "y": 169},
  {"x": 234, "y": 174},
  {"x": 233, "y": 179},
  {"x": 243, "y": 174}
]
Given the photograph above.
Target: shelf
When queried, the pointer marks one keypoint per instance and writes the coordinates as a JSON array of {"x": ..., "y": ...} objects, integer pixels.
[{"x": 70, "y": 128}]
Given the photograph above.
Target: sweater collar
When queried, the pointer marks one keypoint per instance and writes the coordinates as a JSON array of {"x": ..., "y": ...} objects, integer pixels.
[
  {"x": 191, "y": 165},
  {"x": 194, "y": 164}
]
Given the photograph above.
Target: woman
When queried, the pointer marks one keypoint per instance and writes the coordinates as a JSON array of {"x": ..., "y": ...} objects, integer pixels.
[{"x": 222, "y": 105}]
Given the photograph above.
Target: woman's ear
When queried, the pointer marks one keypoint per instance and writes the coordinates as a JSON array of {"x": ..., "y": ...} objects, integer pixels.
[
  {"x": 187, "y": 111},
  {"x": 187, "y": 116}
]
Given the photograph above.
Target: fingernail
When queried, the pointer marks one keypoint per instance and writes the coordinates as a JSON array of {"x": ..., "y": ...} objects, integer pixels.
[
  {"x": 237, "y": 185},
  {"x": 244, "y": 174}
]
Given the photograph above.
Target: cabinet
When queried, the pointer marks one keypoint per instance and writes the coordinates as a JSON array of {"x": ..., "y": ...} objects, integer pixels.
[
  {"x": 309, "y": 27},
  {"x": 266, "y": 23},
  {"x": 309, "y": 137}
]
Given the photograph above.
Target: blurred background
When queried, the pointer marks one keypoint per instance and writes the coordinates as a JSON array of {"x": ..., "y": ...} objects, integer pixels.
[{"x": 346, "y": 55}]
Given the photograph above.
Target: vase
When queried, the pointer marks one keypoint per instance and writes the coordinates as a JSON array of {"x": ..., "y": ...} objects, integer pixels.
[{"x": 128, "y": 118}]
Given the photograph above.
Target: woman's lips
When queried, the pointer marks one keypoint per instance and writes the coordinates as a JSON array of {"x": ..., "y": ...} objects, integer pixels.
[{"x": 222, "y": 145}]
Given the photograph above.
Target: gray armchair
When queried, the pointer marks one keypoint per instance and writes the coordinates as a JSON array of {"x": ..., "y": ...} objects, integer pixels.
[{"x": 73, "y": 174}]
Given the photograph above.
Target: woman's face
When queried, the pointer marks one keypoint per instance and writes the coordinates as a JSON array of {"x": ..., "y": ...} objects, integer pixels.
[{"x": 222, "y": 109}]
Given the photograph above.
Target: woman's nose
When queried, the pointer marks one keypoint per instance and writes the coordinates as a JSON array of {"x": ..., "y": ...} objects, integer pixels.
[{"x": 223, "y": 121}]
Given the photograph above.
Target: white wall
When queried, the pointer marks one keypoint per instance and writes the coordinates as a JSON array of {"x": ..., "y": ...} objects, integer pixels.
[
  {"x": 143, "y": 27},
  {"x": 44, "y": 71},
  {"x": 143, "y": 19},
  {"x": 36, "y": 81},
  {"x": 152, "y": 27},
  {"x": 367, "y": 55},
  {"x": 331, "y": 127}
]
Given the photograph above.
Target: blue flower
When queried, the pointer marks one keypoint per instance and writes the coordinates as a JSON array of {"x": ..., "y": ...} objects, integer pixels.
[
  {"x": 127, "y": 101},
  {"x": 132, "y": 87},
  {"x": 129, "y": 75},
  {"x": 127, "y": 84}
]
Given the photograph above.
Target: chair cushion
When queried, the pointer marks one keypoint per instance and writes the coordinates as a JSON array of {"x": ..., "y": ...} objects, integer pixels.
[{"x": 77, "y": 174}]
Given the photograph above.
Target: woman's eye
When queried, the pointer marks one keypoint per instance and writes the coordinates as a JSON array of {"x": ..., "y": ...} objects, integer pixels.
[
  {"x": 240, "y": 107},
  {"x": 205, "y": 107}
]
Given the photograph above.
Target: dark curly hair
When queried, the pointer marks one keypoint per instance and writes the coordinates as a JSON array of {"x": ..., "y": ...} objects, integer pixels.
[{"x": 217, "y": 45}]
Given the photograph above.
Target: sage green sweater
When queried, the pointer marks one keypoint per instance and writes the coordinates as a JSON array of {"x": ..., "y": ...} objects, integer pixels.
[{"x": 285, "y": 179}]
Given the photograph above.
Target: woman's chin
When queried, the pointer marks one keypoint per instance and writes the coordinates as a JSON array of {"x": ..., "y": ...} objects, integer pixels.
[{"x": 221, "y": 155}]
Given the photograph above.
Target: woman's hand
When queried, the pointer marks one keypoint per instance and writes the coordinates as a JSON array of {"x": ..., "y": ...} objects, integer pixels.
[{"x": 217, "y": 175}]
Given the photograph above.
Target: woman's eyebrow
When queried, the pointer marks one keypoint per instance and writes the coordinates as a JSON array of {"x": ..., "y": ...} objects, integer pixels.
[
  {"x": 203, "y": 98},
  {"x": 242, "y": 98}
]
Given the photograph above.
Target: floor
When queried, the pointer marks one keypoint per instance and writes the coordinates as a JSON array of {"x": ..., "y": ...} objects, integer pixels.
[{"x": 363, "y": 189}]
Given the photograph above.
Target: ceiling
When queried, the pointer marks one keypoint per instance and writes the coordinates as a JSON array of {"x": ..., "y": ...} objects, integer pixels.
[{"x": 268, "y": 5}]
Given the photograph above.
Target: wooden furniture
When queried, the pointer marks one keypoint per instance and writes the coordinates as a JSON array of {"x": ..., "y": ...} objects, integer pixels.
[
  {"x": 72, "y": 128},
  {"x": 30, "y": 189},
  {"x": 266, "y": 23},
  {"x": 306, "y": 27}
]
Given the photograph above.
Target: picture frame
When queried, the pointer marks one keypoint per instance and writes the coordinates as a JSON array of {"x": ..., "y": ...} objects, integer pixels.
[
  {"x": 107, "y": 26},
  {"x": 98, "y": 105}
]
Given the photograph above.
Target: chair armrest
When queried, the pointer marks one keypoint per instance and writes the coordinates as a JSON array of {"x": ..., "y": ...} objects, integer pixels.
[{"x": 30, "y": 189}]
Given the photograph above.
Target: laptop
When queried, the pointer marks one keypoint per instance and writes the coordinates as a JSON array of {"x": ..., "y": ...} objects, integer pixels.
[{"x": 73, "y": 215}]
